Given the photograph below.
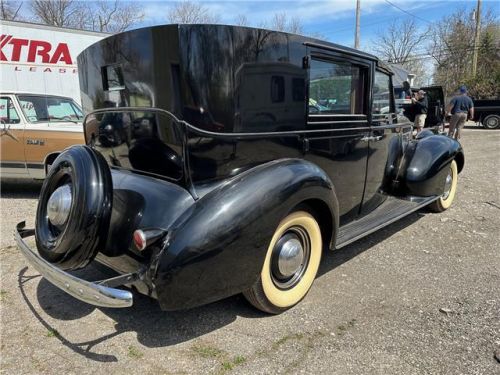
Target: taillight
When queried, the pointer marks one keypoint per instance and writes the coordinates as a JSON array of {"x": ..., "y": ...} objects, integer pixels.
[
  {"x": 145, "y": 237},
  {"x": 140, "y": 240}
]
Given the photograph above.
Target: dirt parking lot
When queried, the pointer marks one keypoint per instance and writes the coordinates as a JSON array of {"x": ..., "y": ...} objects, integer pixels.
[{"x": 419, "y": 297}]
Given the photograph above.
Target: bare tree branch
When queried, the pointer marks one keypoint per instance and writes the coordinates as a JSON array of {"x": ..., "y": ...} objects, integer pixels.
[
  {"x": 9, "y": 10},
  {"x": 191, "y": 12},
  {"x": 100, "y": 15}
]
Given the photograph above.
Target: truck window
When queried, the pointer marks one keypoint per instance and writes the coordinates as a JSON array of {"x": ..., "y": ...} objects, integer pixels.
[
  {"x": 8, "y": 114},
  {"x": 335, "y": 88},
  {"x": 382, "y": 94},
  {"x": 49, "y": 109}
]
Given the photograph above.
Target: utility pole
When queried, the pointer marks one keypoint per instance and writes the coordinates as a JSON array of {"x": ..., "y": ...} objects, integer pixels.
[
  {"x": 356, "y": 36},
  {"x": 476, "y": 38}
]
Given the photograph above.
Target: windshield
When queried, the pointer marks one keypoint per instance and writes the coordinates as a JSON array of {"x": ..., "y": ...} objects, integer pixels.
[{"x": 49, "y": 109}]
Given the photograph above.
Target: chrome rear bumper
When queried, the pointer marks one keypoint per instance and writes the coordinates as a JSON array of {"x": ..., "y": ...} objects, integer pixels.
[{"x": 94, "y": 293}]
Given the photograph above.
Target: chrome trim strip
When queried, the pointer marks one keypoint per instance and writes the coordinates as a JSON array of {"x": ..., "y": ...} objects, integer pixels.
[
  {"x": 337, "y": 115},
  {"x": 336, "y": 122},
  {"x": 341, "y": 50},
  {"x": 91, "y": 293}
]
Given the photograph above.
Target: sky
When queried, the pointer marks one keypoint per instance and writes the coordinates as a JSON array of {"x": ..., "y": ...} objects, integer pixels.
[{"x": 334, "y": 19}]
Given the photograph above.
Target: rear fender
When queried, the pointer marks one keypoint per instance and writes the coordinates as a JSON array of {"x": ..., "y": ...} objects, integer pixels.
[
  {"x": 425, "y": 164},
  {"x": 217, "y": 248}
]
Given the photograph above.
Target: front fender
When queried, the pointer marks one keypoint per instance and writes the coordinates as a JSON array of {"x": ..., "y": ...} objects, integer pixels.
[
  {"x": 217, "y": 248},
  {"x": 426, "y": 164}
]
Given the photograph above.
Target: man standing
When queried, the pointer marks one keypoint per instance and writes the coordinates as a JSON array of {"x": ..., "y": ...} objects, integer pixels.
[
  {"x": 420, "y": 106},
  {"x": 460, "y": 107}
]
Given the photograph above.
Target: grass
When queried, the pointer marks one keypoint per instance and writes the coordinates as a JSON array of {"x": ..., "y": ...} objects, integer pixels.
[
  {"x": 52, "y": 333},
  {"x": 134, "y": 353},
  {"x": 211, "y": 352},
  {"x": 3, "y": 295},
  {"x": 207, "y": 351}
]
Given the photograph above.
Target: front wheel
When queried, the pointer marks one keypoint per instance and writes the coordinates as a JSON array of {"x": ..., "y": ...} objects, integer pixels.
[
  {"x": 291, "y": 264},
  {"x": 450, "y": 189},
  {"x": 491, "y": 122}
]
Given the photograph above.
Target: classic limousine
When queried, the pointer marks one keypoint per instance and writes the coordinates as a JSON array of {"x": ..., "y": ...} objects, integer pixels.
[{"x": 224, "y": 160}]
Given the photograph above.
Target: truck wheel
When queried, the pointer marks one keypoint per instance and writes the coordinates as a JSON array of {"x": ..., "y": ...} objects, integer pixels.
[
  {"x": 491, "y": 122},
  {"x": 450, "y": 189},
  {"x": 74, "y": 208},
  {"x": 291, "y": 264}
]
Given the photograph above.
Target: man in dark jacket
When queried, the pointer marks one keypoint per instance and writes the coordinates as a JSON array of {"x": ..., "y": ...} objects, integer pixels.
[
  {"x": 460, "y": 107},
  {"x": 419, "y": 108}
]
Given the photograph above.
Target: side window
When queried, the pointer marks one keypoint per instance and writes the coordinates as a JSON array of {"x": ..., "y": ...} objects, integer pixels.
[
  {"x": 335, "y": 88},
  {"x": 382, "y": 94},
  {"x": 28, "y": 108},
  {"x": 8, "y": 114}
]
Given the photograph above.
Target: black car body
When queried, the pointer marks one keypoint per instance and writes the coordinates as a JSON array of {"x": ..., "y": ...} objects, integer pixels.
[{"x": 222, "y": 177}]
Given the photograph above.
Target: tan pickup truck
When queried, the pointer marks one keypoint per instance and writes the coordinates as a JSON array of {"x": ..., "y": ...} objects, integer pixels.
[{"x": 34, "y": 129}]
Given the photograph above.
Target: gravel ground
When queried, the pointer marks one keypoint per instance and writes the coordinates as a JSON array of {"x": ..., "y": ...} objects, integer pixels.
[{"x": 419, "y": 297}]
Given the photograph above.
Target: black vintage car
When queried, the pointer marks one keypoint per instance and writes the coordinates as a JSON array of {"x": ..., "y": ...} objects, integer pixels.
[{"x": 245, "y": 154}]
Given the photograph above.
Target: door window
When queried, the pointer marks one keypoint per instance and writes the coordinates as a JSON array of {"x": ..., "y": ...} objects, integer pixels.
[
  {"x": 8, "y": 114},
  {"x": 335, "y": 88},
  {"x": 382, "y": 94},
  {"x": 49, "y": 109}
]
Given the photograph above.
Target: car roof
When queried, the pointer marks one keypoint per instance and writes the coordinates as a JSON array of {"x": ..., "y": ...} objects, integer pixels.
[{"x": 31, "y": 93}]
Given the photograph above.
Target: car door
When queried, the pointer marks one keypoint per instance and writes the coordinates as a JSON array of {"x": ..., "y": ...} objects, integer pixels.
[
  {"x": 13, "y": 162},
  {"x": 337, "y": 119},
  {"x": 386, "y": 140}
]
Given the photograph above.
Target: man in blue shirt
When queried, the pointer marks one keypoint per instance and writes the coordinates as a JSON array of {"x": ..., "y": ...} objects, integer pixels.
[{"x": 460, "y": 107}]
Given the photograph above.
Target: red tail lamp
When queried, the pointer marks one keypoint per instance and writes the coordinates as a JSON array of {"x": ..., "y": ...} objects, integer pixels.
[{"x": 145, "y": 237}]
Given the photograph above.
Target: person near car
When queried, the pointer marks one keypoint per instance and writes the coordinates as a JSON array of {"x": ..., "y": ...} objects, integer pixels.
[
  {"x": 420, "y": 106},
  {"x": 461, "y": 107}
]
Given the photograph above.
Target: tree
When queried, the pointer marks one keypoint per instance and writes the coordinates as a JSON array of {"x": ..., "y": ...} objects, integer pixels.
[
  {"x": 101, "y": 15},
  {"x": 400, "y": 44},
  {"x": 191, "y": 12},
  {"x": 400, "y": 41},
  {"x": 452, "y": 49},
  {"x": 113, "y": 16},
  {"x": 9, "y": 10},
  {"x": 281, "y": 22}
]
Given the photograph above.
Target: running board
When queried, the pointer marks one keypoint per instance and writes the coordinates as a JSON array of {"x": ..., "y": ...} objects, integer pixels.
[{"x": 388, "y": 212}]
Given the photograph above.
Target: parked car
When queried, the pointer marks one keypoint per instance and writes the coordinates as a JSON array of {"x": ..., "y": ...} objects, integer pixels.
[
  {"x": 35, "y": 129},
  {"x": 487, "y": 113},
  {"x": 190, "y": 213}
]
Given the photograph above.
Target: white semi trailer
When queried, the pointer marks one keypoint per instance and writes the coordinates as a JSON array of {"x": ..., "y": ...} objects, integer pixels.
[{"x": 42, "y": 59}]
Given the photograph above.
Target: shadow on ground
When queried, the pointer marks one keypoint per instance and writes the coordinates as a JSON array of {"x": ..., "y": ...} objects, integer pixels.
[
  {"x": 20, "y": 189},
  {"x": 156, "y": 328}
]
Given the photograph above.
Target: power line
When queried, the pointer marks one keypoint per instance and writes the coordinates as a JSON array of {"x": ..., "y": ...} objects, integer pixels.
[{"x": 404, "y": 11}]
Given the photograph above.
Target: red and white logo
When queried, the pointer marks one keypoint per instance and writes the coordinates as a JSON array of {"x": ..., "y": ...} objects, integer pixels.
[{"x": 33, "y": 51}]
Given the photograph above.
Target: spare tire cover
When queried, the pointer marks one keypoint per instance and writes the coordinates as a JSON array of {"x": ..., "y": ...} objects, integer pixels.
[{"x": 71, "y": 232}]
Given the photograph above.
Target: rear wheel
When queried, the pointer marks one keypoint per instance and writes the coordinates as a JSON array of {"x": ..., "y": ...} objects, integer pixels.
[
  {"x": 291, "y": 264},
  {"x": 450, "y": 189},
  {"x": 492, "y": 122},
  {"x": 74, "y": 208}
]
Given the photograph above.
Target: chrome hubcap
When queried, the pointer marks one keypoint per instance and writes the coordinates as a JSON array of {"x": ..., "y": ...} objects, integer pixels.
[
  {"x": 59, "y": 205},
  {"x": 447, "y": 185},
  {"x": 290, "y": 258}
]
